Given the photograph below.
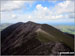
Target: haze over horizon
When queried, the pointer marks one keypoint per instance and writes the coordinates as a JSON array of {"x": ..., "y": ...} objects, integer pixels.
[{"x": 49, "y": 12}]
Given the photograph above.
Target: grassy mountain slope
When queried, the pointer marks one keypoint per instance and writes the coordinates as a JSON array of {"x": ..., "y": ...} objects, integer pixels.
[{"x": 49, "y": 33}]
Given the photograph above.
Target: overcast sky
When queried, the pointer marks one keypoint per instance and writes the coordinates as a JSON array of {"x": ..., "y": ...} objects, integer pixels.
[{"x": 47, "y": 11}]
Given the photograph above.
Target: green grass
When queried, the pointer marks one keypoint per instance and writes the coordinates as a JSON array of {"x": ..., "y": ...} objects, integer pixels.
[
  {"x": 58, "y": 36},
  {"x": 44, "y": 37}
]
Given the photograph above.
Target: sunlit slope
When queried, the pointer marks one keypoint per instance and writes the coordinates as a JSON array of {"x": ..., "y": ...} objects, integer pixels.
[{"x": 48, "y": 33}]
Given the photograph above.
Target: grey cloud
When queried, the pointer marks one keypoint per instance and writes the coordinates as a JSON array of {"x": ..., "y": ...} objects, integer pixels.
[{"x": 71, "y": 16}]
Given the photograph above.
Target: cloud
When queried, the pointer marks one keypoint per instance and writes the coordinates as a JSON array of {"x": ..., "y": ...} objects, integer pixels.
[
  {"x": 72, "y": 15},
  {"x": 64, "y": 7},
  {"x": 63, "y": 12},
  {"x": 44, "y": 13},
  {"x": 13, "y": 16},
  {"x": 60, "y": 13},
  {"x": 9, "y": 5}
]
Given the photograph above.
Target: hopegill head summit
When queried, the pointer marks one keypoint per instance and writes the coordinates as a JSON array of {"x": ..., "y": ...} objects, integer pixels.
[{"x": 34, "y": 39}]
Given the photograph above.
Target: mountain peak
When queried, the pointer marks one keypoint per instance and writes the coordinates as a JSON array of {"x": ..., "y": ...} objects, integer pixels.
[
  {"x": 33, "y": 38},
  {"x": 30, "y": 22}
]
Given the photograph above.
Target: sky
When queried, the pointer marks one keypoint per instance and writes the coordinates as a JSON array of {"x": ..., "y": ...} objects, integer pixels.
[{"x": 42, "y": 11}]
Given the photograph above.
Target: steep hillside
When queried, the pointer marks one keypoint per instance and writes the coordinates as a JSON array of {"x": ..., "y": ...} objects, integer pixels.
[{"x": 34, "y": 39}]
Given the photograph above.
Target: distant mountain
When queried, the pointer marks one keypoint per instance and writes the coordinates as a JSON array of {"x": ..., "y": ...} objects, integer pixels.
[
  {"x": 34, "y": 39},
  {"x": 66, "y": 28}
]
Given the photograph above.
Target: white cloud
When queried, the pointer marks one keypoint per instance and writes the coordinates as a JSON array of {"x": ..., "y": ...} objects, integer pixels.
[
  {"x": 13, "y": 16},
  {"x": 57, "y": 17},
  {"x": 40, "y": 14},
  {"x": 44, "y": 13},
  {"x": 64, "y": 7},
  {"x": 29, "y": 17},
  {"x": 9, "y": 5}
]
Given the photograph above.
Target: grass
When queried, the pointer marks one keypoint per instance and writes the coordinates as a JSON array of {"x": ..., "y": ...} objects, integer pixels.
[
  {"x": 44, "y": 37},
  {"x": 58, "y": 36}
]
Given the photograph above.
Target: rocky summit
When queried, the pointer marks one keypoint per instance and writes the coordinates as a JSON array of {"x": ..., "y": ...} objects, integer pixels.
[{"x": 34, "y": 39}]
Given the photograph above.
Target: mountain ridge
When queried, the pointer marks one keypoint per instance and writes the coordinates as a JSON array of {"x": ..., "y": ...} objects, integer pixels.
[{"x": 25, "y": 38}]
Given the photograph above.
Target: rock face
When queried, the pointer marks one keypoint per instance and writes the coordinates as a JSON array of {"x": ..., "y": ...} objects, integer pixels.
[{"x": 27, "y": 39}]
